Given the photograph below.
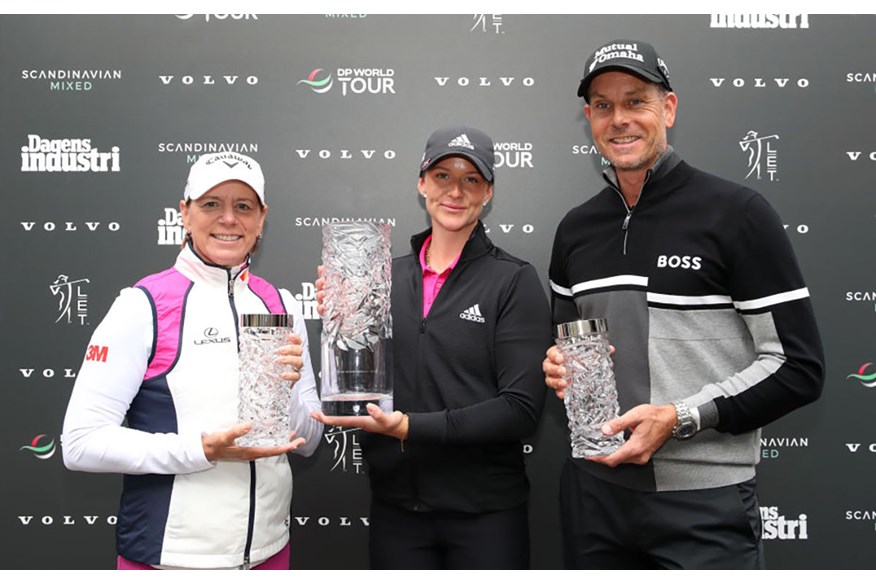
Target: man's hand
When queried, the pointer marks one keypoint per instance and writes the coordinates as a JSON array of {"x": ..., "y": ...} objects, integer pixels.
[
  {"x": 377, "y": 422},
  {"x": 221, "y": 446},
  {"x": 651, "y": 426},
  {"x": 554, "y": 372}
]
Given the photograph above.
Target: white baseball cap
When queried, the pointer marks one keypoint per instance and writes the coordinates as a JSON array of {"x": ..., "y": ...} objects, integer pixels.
[{"x": 213, "y": 169}]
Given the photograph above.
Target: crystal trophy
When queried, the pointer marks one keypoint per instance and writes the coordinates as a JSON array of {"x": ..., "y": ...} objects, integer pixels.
[
  {"x": 356, "y": 347},
  {"x": 264, "y": 396},
  {"x": 591, "y": 394}
]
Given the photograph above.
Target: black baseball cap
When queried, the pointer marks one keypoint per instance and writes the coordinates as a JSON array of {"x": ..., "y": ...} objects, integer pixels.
[
  {"x": 466, "y": 141},
  {"x": 636, "y": 57}
]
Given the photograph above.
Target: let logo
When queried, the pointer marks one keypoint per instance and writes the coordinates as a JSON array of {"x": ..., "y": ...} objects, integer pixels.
[{"x": 96, "y": 353}]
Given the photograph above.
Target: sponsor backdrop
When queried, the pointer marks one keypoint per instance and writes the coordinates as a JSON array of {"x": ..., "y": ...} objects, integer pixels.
[{"x": 98, "y": 134}]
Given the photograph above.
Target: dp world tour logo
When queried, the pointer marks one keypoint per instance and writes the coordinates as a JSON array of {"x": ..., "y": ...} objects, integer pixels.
[
  {"x": 42, "y": 452},
  {"x": 318, "y": 85},
  {"x": 866, "y": 380}
]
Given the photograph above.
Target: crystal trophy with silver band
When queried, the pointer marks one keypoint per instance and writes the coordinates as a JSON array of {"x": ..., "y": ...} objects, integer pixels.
[
  {"x": 591, "y": 394},
  {"x": 264, "y": 396},
  {"x": 356, "y": 323}
]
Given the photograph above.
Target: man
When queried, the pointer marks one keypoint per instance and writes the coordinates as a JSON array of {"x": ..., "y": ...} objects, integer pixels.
[{"x": 713, "y": 329}]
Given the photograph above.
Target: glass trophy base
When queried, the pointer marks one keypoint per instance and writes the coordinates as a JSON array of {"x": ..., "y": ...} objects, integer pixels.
[
  {"x": 246, "y": 440},
  {"x": 595, "y": 443},
  {"x": 353, "y": 404}
]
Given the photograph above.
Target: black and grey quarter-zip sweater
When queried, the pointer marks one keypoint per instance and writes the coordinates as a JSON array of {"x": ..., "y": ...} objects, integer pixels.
[
  {"x": 469, "y": 377},
  {"x": 705, "y": 303}
]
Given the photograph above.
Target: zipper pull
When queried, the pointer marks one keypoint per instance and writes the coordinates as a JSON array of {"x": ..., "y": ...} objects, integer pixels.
[
  {"x": 423, "y": 325},
  {"x": 230, "y": 286},
  {"x": 627, "y": 220}
]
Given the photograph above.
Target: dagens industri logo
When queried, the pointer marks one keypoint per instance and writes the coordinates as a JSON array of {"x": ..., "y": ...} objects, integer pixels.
[{"x": 66, "y": 155}]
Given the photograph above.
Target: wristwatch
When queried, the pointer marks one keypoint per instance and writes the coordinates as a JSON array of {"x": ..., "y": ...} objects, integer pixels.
[{"x": 686, "y": 426}]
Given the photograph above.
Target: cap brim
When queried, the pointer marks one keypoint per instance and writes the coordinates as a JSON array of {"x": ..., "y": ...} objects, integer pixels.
[
  {"x": 642, "y": 74},
  {"x": 203, "y": 190},
  {"x": 485, "y": 172}
]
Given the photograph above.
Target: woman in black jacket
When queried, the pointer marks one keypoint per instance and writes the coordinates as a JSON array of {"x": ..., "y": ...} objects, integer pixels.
[{"x": 471, "y": 325}]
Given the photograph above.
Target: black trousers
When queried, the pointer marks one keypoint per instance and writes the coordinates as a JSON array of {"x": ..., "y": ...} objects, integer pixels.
[
  {"x": 434, "y": 540},
  {"x": 606, "y": 526}
]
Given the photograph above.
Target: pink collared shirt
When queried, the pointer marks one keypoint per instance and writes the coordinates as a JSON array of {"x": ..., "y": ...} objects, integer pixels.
[{"x": 432, "y": 280}]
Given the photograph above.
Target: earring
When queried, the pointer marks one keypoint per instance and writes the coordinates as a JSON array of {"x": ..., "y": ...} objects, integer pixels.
[
  {"x": 259, "y": 237},
  {"x": 423, "y": 194},
  {"x": 485, "y": 203}
]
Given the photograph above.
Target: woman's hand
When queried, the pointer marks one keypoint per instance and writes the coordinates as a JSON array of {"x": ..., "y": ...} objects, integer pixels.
[
  {"x": 320, "y": 290},
  {"x": 221, "y": 446},
  {"x": 377, "y": 422},
  {"x": 292, "y": 355}
]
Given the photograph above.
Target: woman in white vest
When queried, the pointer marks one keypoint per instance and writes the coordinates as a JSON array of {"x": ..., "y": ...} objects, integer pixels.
[{"x": 165, "y": 358}]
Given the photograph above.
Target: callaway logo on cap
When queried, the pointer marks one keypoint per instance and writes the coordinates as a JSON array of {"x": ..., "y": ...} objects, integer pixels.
[{"x": 213, "y": 169}]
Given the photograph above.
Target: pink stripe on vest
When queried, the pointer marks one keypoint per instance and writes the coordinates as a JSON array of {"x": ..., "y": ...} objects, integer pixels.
[
  {"x": 268, "y": 293},
  {"x": 167, "y": 289}
]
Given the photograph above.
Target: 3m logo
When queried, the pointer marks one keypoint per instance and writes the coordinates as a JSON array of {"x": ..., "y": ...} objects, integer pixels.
[{"x": 96, "y": 353}]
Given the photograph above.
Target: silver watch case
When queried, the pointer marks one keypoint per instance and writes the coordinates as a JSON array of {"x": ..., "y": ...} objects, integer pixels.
[{"x": 686, "y": 426}]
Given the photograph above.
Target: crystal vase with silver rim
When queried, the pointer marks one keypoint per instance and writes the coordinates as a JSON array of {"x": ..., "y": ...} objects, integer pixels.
[
  {"x": 265, "y": 397},
  {"x": 591, "y": 394}
]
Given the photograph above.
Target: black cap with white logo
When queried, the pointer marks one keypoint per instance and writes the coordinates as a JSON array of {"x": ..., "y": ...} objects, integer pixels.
[
  {"x": 636, "y": 57},
  {"x": 470, "y": 143}
]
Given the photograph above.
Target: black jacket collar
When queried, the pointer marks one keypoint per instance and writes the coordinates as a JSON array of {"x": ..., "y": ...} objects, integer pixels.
[
  {"x": 661, "y": 179},
  {"x": 477, "y": 245}
]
